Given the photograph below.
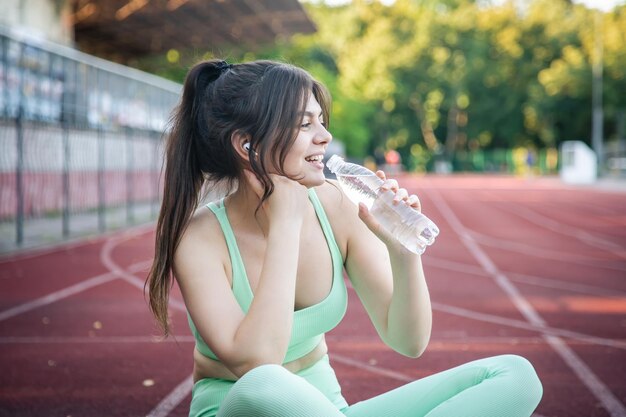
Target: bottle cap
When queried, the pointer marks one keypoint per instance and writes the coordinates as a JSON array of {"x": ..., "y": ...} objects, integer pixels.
[{"x": 334, "y": 163}]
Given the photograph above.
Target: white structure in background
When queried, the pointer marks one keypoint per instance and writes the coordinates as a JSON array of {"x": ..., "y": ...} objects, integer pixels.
[
  {"x": 579, "y": 164},
  {"x": 39, "y": 19}
]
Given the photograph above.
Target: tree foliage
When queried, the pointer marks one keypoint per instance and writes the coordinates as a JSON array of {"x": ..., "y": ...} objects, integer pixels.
[{"x": 438, "y": 77}]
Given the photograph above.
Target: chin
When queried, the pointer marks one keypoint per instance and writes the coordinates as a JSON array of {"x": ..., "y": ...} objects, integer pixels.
[{"x": 310, "y": 182}]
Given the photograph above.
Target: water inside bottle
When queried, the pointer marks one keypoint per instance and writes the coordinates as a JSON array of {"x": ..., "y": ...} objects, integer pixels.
[
  {"x": 360, "y": 188},
  {"x": 414, "y": 230}
]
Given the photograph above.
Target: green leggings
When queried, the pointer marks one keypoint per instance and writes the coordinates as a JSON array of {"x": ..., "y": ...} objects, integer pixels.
[{"x": 493, "y": 387}]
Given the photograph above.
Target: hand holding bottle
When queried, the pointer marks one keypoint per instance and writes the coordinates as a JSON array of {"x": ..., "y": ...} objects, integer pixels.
[
  {"x": 401, "y": 222},
  {"x": 398, "y": 196}
]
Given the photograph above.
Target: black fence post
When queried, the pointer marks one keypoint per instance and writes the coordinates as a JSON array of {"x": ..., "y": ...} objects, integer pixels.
[
  {"x": 66, "y": 153},
  {"x": 130, "y": 180},
  {"x": 19, "y": 171},
  {"x": 101, "y": 158}
]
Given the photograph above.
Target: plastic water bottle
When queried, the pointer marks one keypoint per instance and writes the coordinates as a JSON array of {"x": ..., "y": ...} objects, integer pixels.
[{"x": 410, "y": 227}]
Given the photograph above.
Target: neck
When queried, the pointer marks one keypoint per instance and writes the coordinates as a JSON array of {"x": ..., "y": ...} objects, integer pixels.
[{"x": 242, "y": 209}]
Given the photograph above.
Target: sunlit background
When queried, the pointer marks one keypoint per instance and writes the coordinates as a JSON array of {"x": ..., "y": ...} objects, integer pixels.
[
  {"x": 506, "y": 118},
  {"x": 520, "y": 87}
]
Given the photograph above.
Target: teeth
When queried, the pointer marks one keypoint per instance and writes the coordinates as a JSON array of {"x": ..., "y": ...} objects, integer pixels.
[{"x": 315, "y": 158}]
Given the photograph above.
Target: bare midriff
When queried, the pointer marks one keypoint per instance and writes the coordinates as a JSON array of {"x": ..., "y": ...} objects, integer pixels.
[{"x": 205, "y": 367}]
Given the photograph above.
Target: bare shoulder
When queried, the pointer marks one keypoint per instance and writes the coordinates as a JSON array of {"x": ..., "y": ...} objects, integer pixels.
[
  {"x": 202, "y": 243},
  {"x": 333, "y": 198},
  {"x": 341, "y": 212}
]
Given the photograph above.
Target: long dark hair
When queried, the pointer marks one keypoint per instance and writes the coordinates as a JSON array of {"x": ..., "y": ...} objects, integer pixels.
[{"x": 262, "y": 100}]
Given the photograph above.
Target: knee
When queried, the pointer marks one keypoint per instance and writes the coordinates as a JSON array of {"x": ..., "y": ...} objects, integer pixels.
[
  {"x": 261, "y": 388},
  {"x": 525, "y": 376}
]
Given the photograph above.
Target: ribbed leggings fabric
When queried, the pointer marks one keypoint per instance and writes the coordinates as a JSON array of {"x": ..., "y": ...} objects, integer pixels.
[{"x": 500, "y": 386}]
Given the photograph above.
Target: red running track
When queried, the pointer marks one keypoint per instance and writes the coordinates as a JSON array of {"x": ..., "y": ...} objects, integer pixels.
[{"x": 523, "y": 266}]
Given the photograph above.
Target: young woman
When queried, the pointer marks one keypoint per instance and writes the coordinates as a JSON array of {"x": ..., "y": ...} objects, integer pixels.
[{"x": 261, "y": 270}]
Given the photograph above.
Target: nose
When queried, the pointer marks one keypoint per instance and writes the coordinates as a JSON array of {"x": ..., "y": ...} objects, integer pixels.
[{"x": 323, "y": 136}]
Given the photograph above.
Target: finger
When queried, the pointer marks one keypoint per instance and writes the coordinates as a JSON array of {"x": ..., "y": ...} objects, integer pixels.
[
  {"x": 381, "y": 174},
  {"x": 367, "y": 217},
  {"x": 401, "y": 194},
  {"x": 390, "y": 185},
  {"x": 414, "y": 202}
]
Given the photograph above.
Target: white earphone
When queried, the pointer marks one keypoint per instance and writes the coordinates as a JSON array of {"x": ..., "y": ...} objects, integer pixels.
[{"x": 246, "y": 146}]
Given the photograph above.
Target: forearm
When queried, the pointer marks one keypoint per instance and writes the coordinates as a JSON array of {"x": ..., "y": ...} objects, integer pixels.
[
  {"x": 409, "y": 318},
  {"x": 264, "y": 333}
]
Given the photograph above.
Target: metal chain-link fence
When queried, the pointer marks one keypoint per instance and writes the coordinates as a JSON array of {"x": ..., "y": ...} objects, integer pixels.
[{"x": 80, "y": 142}]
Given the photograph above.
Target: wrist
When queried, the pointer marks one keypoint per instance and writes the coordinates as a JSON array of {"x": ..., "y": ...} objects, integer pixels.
[
  {"x": 400, "y": 254},
  {"x": 286, "y": 227}
]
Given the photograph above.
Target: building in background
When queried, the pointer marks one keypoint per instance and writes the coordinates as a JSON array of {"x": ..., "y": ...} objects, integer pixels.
[
  {"x": 39, "y": 19},
  {"x": 122, "y": 30}
]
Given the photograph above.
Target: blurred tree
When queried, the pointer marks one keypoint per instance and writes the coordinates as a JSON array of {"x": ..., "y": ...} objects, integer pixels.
[{"x": 436, "y": 79}]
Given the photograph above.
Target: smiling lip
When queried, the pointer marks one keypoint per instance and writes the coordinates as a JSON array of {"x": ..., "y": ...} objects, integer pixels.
[
  {"x": 316, "y": 161},
  {"x": 318, "y": 157}
]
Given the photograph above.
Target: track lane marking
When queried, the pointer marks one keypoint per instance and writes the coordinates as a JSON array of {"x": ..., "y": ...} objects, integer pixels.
[
  {"x": 173, "y": 399},
  {"x": 528, "y": 250},
  {"x": 67, "y": 292},
  {"x": 548, "y": 330},
  {"x": 524, "y": 278},
  {"x": 583, "y": 372},
  {"x": 75, "y": 243},
  {"x": 568, "y": 230},
  {"x": 543, "y": 329},
  {"x": 58, "y": 295},
  {"x": 15, "y": 340},
  {"x": 106, "y": 259},
  {"x": 183, "y": 389},
  {"x": 370, "y": 368}
]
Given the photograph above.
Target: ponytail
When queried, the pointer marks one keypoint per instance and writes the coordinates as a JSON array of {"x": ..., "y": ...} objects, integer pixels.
[{"x": 182, "y": 185}]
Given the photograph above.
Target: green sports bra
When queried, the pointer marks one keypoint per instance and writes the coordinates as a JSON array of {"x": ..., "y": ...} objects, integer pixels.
[{"x": 310, "y": 323}]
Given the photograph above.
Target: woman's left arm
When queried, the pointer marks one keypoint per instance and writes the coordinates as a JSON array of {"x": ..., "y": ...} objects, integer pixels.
[{"x": 387, "y": 277}]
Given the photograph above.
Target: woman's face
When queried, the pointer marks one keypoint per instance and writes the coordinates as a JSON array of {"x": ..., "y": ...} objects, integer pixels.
[{"x": 305, "y": 158}]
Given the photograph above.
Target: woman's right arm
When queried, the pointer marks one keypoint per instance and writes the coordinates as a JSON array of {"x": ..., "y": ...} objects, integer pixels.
[{"x": 243, "y": 341}]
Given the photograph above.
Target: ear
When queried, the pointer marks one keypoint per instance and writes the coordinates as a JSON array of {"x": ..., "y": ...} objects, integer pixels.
[{"x": 241, "y": 145}]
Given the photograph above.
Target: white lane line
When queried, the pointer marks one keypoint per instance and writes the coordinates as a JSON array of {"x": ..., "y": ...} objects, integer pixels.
[
  {"x": 524, "y": 278},
  {"x": 182, "y": 390},
  {"x": 442, "y": 338},
  {"x": 111, "y": 265},
  {"x": 370, "y": 368},
  {"x": 584, "y": 373},
  {"x": 173, "y": 399},
  {"x": 544, "y": 329},
  {"x": 67, "y": 245},
  {"x": 57, "y": 295},
  {"x": 14, "y": 340},
  {"x": 490, "y": 318},
  {"x": 568, "y": 230},
  {"x": 66, "y": 292},
  {"x": 566, "y": 286},
  {"x": 552, "y": 255}
]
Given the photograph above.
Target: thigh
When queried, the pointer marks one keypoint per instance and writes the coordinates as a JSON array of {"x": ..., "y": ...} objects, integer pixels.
[
  {"x": 272, "y": 391},
  {"x": 207, "y": 395}
]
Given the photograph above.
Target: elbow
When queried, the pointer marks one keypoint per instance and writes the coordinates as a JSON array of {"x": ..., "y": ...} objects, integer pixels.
[
  {"x": 412, "y": 348},
  {"x": 414, "y": 351},
  {"x": 250, "y": 363}
]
